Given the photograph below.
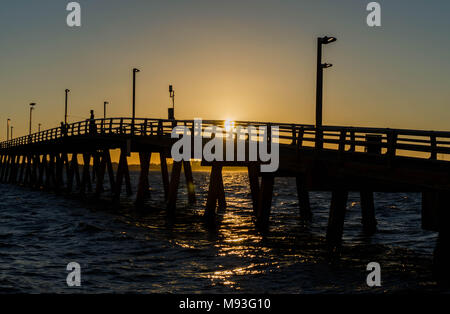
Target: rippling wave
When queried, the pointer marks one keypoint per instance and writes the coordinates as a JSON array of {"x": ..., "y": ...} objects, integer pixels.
[{"x": 124, "y": 250}]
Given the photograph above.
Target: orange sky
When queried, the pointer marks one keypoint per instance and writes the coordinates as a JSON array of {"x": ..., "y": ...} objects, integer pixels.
[{"x": 244, "y": 60}]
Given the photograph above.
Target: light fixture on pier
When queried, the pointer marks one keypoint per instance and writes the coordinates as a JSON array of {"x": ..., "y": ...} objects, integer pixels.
[
  {"x": 328, "y": 40},
  {"x": 135, "y": 70},
  {"x": 319, "y": 89},
  {"x": 104, "y": 109},
  {"x": 172, "y": 96},
  {"x": 31, "y": 114},
  {"x": 65, "y": 110},
  {"x": 8, "y": 121}
]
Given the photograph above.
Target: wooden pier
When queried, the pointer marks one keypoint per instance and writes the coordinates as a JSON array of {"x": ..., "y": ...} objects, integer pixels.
[{"x": 336, "y": 159}]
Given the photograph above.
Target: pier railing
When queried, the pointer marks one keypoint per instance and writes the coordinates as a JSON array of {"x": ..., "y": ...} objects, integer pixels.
[{"x": 434, "y": 145}]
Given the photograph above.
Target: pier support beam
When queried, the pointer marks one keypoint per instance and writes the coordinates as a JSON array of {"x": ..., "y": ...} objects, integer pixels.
[
  {"x": 42, "y": 170},
  {"x": 173, "y": 187},
  {"x": 441, "y": 259},
  {"x": 175, "y": 182},
  {"x": 34, "y": 171},
  {"x": 336, "y": 218},
  {"x": 164, "y": 174},
  {"x": 50, "y": 172},
  {"x": 303, "y": 199},
  {"x": 86, "y": 178},
  {"x": 369, "y": 221},
  {"x": 101, "y": 169},
  {"x": 59, "y": 167},
  {"x": 435, "y": 217},
  {"x": 109, "y": 166},
  {"x": 143, "y": 192},
  {"x": 122, "y": 173},
  {"x": 74, "y": 172},
  {"x": 216, "y": 193},
  {"x": 253, "y": 178},
  {"x": 265, "y": 202},
  {"x": 23, "y": 164},
  {"x": 189, "y": 182},
  {"x": 28, "y": 170}
]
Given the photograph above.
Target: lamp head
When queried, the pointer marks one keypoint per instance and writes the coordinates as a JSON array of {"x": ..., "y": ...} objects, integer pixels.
[
  {"x": 67, "y": 90},
  {"x": 170, "y": 88},
  {"x": 328, "y": 40},
  {"x": 136, "y": 70},
  {"x": 326, "y": 65},
  {"x": 32, "y": 104}
]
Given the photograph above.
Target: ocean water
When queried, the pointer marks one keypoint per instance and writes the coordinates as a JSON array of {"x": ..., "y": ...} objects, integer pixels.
[{"x": 124, "y": 250}]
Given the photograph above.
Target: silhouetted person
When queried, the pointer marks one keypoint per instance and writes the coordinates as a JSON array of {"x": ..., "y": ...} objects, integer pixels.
[{"x": 92, "y": 125}]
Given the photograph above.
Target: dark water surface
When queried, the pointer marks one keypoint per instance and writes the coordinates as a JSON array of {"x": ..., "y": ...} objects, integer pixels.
[{"x": 127, "y": 251}]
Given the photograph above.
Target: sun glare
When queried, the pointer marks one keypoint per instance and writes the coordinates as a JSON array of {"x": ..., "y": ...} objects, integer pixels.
[{"x": 229, "y": 125}]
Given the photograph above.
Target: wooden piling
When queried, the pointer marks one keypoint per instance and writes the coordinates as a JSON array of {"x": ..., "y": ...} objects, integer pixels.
[
  {"x": 265, "y": 201},
  {"x": 42, "y": 170},
  {"x": 73, "y": 172},
  {"x": 122, "y": 173},
  {"x": 3, "y": 166},
  {"x": 49, "y": 172},
  {"x": 12, "y": 177},
  {"x": 95, "y": 165},
  {"x": 369, "y": 221},
  {"x": 164, "y": 174},
  {"x": 34, "y": 171},
  {"x": 303, "y": 199},
  {"x": 66, "y": 164},
  {"x": 253, "y": 172},
  {"x": 59, "y": 181},
  {"x": 28, "y": 170},
  {"x": 101, "y": 169},
  {"x": 173, "y": 187},
  {"x": 143, "y": 186},
  {"x": 336, "y": 218},
  {"x": 127, "y": 178},
  {"x": 189, "y": 182},
  {"x": 23, "y": 164},
  {"x": 86, "y": 177},
  {"x": 215, "y": 192},
  {"x": 109, "y": 166}
]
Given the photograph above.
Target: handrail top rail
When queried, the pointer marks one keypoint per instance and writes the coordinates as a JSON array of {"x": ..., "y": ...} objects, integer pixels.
[{"x": 137, "y": 122}]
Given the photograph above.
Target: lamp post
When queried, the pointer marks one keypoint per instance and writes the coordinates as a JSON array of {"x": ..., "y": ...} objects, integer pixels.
[
  {"x": 172, "y": 96},
  {"x": 31, "y": 114},
  {"x": 319, "y": 88},
  {"x": 104, "y": 109},
  {"x": 39, "y": 127},
  {"x": 65, "y": 107},
  {"x": 134, "y": 95},
  {"x": 7, "y": 128}
]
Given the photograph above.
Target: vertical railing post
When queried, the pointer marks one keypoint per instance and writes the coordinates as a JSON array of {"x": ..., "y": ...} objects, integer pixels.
[
  {"x": 294, "y": 135},
  {"x": 392, "y": 144},
  {"x": 352, "y": 141},
  {"x": 342, "y": 139},
  {"x": 433, "y": 149}
]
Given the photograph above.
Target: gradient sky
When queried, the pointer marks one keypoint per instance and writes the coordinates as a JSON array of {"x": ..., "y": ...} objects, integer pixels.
[{"x": 238, "y": 59}]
